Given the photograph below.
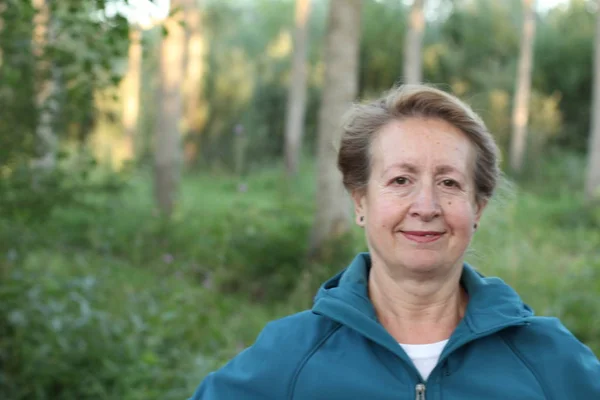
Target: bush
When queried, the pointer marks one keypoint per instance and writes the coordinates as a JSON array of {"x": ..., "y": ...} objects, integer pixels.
[
  {"x": 83, "y": 327},
  {"x": 266, "y": 250},
  {"x": 546, "y": 247},
  {"x": 68, "y": 335},
  {"x": 29, "y": 197}
]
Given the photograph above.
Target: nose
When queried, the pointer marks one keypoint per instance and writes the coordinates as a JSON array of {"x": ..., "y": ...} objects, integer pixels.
[{"x": 425, "y": 203}]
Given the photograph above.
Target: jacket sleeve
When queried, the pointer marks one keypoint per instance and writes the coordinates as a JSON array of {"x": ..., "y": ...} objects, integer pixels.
[
  {"x": 565, "y": 367},
  {"x": 266, "y": 369}
]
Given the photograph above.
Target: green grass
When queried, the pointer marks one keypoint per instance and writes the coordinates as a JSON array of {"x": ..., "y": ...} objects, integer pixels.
[
  {"x": 548, "y": 249},
  {"x": 116, "y": 303}
]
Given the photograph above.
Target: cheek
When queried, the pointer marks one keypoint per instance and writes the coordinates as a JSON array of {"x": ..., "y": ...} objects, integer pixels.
[
  {"x": 460, "y": 214},
  {"x": 385, "y": 209}
]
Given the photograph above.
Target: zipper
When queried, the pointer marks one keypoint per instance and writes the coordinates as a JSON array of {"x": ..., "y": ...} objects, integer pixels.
[{"x": 420, "y": 391}]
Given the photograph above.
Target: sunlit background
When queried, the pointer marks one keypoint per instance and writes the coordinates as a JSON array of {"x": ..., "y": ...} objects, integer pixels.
[{"x": 160, "y": 166}]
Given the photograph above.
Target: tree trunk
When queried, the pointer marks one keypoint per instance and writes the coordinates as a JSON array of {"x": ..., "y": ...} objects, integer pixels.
[
  {"x": 131, "y": 92},
  {"x": 3, "y": 7},
  {"x": 167, "y": 143},
  {"x": 592, "y": 182},
  {"x": 520, "y": 112},
  {"x": 333, "y": 211},
  {"x": 414, "y": 43},
  {"x": 196, "y": 50},
  {"x": 296, "y": 106},
  {"x": 46, "y": 87}
]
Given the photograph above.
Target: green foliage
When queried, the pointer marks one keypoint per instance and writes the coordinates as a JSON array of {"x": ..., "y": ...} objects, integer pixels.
[
  {"x": 470, "y": 48},
  {"x": 16, "y": 84},
  {"x": 274, "y": 239},
  {"x": 131, "y": 310},
  {"x": 30, "y": 197},
  {"x": 72, "y": 58},
  {"x": 383, "y": 29},
  {"x": 563, "y": 65},
  {"x": 246, "y": 84},
  {"x": 462, "y": 55},
  {"x": 118, "y": 303},
  {"x": 68, "y": 334},
  {"x": 543, "y": 240},
  {"x": 472, "y": 32}
]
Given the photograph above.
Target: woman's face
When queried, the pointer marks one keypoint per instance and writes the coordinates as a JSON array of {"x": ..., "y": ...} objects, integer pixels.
[{"x": 419, "y": 206}]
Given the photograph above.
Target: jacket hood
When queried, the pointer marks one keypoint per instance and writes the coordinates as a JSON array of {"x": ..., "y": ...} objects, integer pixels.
[{"x": 493, "y": 305}]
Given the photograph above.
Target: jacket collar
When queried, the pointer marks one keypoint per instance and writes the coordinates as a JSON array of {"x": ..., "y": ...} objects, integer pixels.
[{"x": 493, "y": 305}]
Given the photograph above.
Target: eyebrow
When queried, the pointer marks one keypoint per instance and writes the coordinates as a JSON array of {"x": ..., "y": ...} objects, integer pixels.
[
  {"x": 440, "y": 169},
  {"x": 444, "y": 169},
  {"x": 403, "y": 165}
]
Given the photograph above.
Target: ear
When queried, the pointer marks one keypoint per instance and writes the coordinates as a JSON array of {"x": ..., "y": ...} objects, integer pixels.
[
  {"x": 480, "y": 206},
  {"x": 359, "y": 198}
]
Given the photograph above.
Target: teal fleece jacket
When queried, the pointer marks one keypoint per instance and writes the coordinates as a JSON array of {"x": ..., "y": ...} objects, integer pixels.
[{"x": 338, "y": 350}]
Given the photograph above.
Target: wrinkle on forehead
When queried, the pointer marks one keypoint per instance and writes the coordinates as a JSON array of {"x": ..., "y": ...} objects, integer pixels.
[{"x": 444, "y": 144}]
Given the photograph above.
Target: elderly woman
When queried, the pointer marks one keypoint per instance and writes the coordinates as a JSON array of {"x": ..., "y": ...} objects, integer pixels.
[{"x": 410, "y": 319}]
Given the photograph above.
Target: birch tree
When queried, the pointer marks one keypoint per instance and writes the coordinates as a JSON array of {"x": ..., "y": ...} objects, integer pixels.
[
  {"x": 46, "y": 86},
  {"x": 131, "y": 91},
  {"x": 296, "y": 105},
  {"x": 592, "y": 182},
  {"x": 340, "y": 89},
  {"x": 413, "y": 45},
  {"x": 170, "y": 109},
  {"x": 520, "y": 113},
  {"x": 196, "y": 49}
]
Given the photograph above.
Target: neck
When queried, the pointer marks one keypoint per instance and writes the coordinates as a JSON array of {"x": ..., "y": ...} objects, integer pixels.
[{"x": 418, "y": 311}]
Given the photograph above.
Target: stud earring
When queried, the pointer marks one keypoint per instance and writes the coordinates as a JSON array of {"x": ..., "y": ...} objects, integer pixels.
[{"x": 362, "y": 219}]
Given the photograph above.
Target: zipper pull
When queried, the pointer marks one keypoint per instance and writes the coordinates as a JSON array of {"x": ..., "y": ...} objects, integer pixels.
[{"x": 420, "y": 390}]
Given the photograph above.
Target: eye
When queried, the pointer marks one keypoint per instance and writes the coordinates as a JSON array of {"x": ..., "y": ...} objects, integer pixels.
[
  {"x": 401, "y": 180},
  {"x": 451, "y": 183}
]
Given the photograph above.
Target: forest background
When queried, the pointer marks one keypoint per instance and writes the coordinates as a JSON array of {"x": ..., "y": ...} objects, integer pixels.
[{"x": 167, "y": 185}]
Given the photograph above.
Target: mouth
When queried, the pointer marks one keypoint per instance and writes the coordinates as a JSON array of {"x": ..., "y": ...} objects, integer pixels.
[{"x": 422, "y": 236}]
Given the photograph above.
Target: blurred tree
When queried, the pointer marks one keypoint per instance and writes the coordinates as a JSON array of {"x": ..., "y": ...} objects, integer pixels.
[
  {"x": 342, "y": 41},
  {"x": 564, "y": 66},
  {"x": 18, "y": 142},
  {"x": 167, "y": 155},
  {"x": 46, "y": 85},
  {"x": 131, "y": 92},
  {"x": 414, "y": 43},
  {"x": 592, "y": 183},
  {"x": 296, "y": 103},
  {"x": 523, "y": 88},
  {"x": 471, "y": 52},
  {"x": 245, "y": 81},
  {"x": 2, "y": 10},
  {"x": 195, "y": 111},
  {"x": 384, "y": 26},
  {"x": 53, "y": 63}
]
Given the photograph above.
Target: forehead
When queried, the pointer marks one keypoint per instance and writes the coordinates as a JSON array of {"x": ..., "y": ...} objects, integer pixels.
[{"x": 423, "y": 143}]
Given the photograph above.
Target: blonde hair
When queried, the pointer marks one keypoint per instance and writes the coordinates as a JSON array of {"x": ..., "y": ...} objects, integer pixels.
[{"x": 364, "y": 121}]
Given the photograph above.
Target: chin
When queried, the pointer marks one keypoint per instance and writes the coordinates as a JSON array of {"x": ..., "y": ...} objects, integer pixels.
[
  {"x": 422, "y": 263},
  {"x": 423, "y": 267}
]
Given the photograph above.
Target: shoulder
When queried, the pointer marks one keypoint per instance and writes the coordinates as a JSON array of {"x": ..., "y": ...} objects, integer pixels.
[
  {"x": 266, "y": 369},
  {"x": 301, "y": 330},
  {"x": 551, "y": 335},
  {"x": 564, "y": 366}
]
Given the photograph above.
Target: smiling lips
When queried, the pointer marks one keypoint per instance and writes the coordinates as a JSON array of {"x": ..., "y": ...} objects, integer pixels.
[{"x": 422, "y": 236}]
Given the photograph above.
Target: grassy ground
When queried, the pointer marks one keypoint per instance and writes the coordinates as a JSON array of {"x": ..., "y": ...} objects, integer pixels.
[{"x": 116, "y": 303}]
